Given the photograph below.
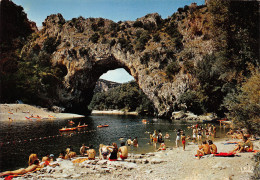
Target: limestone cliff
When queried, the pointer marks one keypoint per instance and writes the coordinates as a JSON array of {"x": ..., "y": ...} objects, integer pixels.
[{"x": 144, "y": 48}]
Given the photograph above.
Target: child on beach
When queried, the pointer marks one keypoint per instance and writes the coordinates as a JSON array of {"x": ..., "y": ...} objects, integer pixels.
[{"x": 183, "y": 141}]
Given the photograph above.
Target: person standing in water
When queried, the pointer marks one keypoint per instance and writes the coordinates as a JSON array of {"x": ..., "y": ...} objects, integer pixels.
[
  {"x": 178, "y": 137},
  {"x": 135, "y": 142}
]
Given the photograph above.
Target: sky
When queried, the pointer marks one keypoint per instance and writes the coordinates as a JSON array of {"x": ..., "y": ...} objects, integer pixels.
[{"x": 116, "y": 10}]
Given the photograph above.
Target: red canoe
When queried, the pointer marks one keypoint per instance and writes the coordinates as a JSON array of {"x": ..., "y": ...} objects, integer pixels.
[
  {"x": 67, "y": 129},
  {"x": 82, "y": 126}
]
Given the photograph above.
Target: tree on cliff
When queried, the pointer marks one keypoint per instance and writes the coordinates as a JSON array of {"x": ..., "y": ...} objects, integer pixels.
[
  {"x": 244, "y": 106},
  {"x": 14, "y": 30}
]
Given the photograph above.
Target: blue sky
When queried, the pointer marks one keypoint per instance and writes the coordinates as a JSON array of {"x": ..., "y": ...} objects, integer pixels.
[{"x": 116, "y": 10}]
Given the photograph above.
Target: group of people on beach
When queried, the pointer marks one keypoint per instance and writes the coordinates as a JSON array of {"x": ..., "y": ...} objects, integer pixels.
[{"x": 113, "y": 153}]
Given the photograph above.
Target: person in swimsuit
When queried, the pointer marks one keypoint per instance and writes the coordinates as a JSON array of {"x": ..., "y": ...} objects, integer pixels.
[
  {"x": 183, "y": 140},
  {"x": 22, "y": 171},
  {"x": 155, "y": 136},
  {"x": 162, "y": 146},
  {"x": 91, "y": 153},
  {"x": 114, "y": 150},
  {"x": 159, "y": 136},
  {"x": 103, "y": 151},
  {"x": 194, "y": 134},
  {"x": 248, "y": 145},
  {"x": 204, "y": 149},
  {"x": 123, "y": 151},
  {"x": 46, "y": 158},
  {"x": 135, "y": 142},
  {"x": 213, "y": 147},
  {"x": 62, "y": 155},
  {"x": 32, "y": 158},
  {"x": 178, "y": 137},
  {"x": 167, "y": 135},
  {"x": 129, "y": 142},
  {"x": 83, "y": 150}
]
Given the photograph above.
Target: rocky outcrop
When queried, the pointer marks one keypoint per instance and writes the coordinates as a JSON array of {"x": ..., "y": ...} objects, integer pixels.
[
  {"x": 90, "y": 47},
  {"x": 104, "y": 85}
]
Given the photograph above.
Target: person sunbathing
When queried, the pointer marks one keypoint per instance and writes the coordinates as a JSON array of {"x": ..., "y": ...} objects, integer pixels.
[
  {"x": 245, "y": 146},
  {"x": 123, "y": 151},
  {"x": 103, "y": 151},
  {"x": 32, "y": 158},
  {"x": 91, "y": 153},
  {"x": 204, "y": 149},
  {"x": 162, "y": 146},
  {"x": 213, "y": 147},
  {"x": 22, "y": 171},
  {"x": 248, "y": 145}
]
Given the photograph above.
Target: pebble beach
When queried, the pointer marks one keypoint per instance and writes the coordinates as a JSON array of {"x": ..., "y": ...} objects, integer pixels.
[{"x": 173, "y": 163}]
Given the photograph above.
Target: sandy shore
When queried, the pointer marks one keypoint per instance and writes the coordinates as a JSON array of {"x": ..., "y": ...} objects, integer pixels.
[
  {"x": 21, "y": 111},
  {"x": 114, "y": 112},
  {"x": 173, "y": 163}
]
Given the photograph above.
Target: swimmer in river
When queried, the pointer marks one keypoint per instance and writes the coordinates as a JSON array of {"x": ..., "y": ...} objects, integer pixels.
[
  {"x": 129, "y": 142},
  {"x": 167, "y": 135},
  {"x": 135, "y": 142}
]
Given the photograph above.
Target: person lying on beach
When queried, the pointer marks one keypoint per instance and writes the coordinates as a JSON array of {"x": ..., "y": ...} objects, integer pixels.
[
  {"x": 22, "y": 171},
  {"x": 46, "y": 158},
  {"x": 91, "y": 153},
  {"x": 245, "y": 146},
  {"x": 248, "y": 145},
  {"x": 123, "y": 151},
  {"x": 62, "y": 155},
  {"x": 103, "y": 151},
  {"x": 238, "y": 135},
  {"x": 162, "y": 146},
  {"x": 230, "y": 132},
  {"x": 113, "y": 152},
  {"x": 204, "y": 149},
  {"x": 213, "y": 147}
]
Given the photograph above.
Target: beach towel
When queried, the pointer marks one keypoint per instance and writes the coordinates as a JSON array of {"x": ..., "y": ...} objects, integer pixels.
[
  {"x": 227, "y": 143},
  {"x": 225, "y": 154}
]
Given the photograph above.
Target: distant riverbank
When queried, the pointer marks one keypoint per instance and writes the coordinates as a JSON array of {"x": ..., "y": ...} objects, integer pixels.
[
  {"x": 25, "y": 111},
  {"x": 114, "y": 112}
]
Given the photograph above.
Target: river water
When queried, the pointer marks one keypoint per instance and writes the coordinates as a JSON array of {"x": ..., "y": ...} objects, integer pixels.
[{"x": 19, "y": 139}]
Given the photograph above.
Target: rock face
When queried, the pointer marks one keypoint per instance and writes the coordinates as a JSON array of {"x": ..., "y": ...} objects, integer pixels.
[
  {"x": 90, "y": 47},
  {"x": 104, "y": 85}
]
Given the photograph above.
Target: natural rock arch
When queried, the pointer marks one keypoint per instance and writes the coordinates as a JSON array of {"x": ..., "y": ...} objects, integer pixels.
[{"x": 88, "y": 48}]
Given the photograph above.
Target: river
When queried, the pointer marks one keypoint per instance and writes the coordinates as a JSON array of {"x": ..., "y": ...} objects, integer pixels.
[{"x": 20, "y": 139}]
